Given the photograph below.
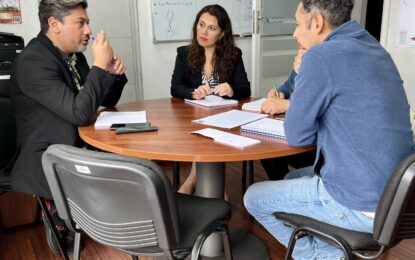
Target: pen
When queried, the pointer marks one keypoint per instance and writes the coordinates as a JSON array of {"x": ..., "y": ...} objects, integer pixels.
[
  {"x": 275, "y": 86},
  {"x": 278, "y": 93},
  {"x": 276, "y": 89},
  {"x": 209, "y": 86}
]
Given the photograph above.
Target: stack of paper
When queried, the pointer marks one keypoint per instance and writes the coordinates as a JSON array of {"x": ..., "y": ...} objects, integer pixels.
[
  {"x": 254, "y": 106},
  {"x": 227, "y": 138},
  {"x": 213, "y": 101},
  {"x": 106, "y": 119},
  {"x": 266, "y": 126},
  {"x": 230, "y": 119}
]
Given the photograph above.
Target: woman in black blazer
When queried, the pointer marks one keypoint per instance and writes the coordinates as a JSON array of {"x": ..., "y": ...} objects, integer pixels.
[{"x": 211, "y": 64}]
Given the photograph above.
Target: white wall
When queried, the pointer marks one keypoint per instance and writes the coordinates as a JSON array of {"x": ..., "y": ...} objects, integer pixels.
[{"x": 404, "y": 57}]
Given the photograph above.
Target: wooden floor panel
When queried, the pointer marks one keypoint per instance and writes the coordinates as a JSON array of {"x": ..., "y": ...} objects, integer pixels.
[{"x": 28, "y": 242}]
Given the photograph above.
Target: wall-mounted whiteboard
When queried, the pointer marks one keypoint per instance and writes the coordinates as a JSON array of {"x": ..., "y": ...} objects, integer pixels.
[{"x": 173, "y": 19}]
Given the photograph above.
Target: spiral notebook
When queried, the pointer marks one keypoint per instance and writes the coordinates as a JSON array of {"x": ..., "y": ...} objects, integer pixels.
[{"x": 266, "y": 126}]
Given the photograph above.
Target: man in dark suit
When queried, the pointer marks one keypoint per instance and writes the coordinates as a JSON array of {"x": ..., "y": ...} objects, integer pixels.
[{"x": 54, "y": 90}]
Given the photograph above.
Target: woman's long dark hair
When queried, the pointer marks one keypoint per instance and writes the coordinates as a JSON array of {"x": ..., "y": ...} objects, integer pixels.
[{"x": 226, "y": 52}]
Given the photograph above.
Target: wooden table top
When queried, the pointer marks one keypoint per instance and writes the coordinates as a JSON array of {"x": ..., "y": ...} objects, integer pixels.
[{"x": 173, "y": 141}]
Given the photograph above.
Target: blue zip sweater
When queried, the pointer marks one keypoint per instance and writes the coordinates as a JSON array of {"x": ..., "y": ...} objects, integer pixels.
[{"x": 350, "y": 101}]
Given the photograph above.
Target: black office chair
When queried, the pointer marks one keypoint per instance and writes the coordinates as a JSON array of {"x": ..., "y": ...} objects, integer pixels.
[
  {"x": 247, "y": 166},
  {"x": 7, "y": 150},
  {"x": 127, "y": 203},
  {"x": 394, "y": 220}
]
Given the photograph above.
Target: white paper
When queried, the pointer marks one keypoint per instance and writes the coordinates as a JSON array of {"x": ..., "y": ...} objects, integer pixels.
[
  {"x": 406, "y": 33},
  {"x": 227, "y": 138},
  {"x": 254, "y": 106},
  {"x": 230, "y": 119},
  {"x": 213, "y": 101},
  {"x": 106, "y": 119}
]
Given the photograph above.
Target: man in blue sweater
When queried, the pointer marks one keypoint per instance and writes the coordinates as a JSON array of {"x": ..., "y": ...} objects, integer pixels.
[
  {"x": 277, "y": 102},
  {"x": 349, "y": 101}
]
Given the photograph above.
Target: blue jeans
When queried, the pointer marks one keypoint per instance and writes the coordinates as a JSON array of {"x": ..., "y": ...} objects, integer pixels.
[{"x": 302, "y": 192}]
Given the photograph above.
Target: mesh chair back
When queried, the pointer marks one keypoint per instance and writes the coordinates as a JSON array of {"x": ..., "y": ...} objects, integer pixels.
[
  {"x": 118, "y": 201},
  {"x": 395, "y": 215}
]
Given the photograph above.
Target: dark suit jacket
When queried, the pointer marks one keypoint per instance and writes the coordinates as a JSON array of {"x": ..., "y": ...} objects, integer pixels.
[
  {"x": 184, "y": 82},
  {"x": 48, "y": 107}
]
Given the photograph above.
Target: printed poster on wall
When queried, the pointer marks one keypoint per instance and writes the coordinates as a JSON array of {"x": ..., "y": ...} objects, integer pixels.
[
  {"x": 406, "y": 33},
  {"x": 10, "y": 11}
]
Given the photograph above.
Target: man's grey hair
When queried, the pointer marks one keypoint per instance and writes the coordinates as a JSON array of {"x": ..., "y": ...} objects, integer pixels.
[
  {"x": 58, "y": 9},
  {"x": 336, "y": 12}
]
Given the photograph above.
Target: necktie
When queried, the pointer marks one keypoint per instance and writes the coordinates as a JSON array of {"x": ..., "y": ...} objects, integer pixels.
[{"x": 71, "y": 62}]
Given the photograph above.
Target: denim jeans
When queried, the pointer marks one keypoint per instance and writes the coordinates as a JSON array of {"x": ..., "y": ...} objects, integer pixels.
[{"x": 302, "y": 192}]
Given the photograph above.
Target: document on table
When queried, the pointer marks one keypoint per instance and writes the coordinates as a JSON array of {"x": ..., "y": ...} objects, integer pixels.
[
  {"x": 254, "y": 106},
  {"x": 227, "y": 138},
  {"x": 106, "y": 118},
  {"x": 213, "y": 101},
  {"x": 230, "y": 119},
  {"x": 266, "y": 126}
]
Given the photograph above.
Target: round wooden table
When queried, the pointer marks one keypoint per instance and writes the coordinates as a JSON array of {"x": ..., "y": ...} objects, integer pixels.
[{"x": 174, "y": 142}]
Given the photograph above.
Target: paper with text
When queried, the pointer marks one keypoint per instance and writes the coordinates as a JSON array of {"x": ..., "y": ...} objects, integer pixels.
[
  {"x": 230, "y": 119},
  {"x": 107, "y": 118},
  {"x": 227, "y": 138}
]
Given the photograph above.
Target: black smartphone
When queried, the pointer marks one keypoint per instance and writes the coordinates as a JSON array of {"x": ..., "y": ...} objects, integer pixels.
[
  {"x": 115, "y": 126},
  {"x": 135, "y": 125}
]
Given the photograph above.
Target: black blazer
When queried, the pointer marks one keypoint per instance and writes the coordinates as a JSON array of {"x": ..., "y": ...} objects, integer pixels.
[
  {"x": 184, "y": 82},
  {"x": 48, "y": 107}
]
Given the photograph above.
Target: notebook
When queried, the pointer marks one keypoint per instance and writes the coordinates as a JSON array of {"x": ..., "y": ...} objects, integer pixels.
[
  {"x": 221, "y": 137},
  {"x": 230, "y": 119},
  {"x": 254, "y": 106},
  {"x": 213, "y": 101},
  {"x": 266, "y": 126},
  {"x": 106, "y": 118}
]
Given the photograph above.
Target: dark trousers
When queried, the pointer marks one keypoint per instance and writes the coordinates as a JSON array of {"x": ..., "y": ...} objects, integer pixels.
[{"x": 277, "y": 168}]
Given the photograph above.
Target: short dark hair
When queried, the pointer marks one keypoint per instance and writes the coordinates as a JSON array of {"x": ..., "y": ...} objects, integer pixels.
[
  {"x": 336, "y": 12},
  {"x": 58, "y": 9}
]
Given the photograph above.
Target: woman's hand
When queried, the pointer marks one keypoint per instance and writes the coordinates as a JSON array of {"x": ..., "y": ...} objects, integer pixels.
[
  {"x": 274, "y": 93},
  {"x": 201, "y": 92},
  {"x": 223, "y": 89}
]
